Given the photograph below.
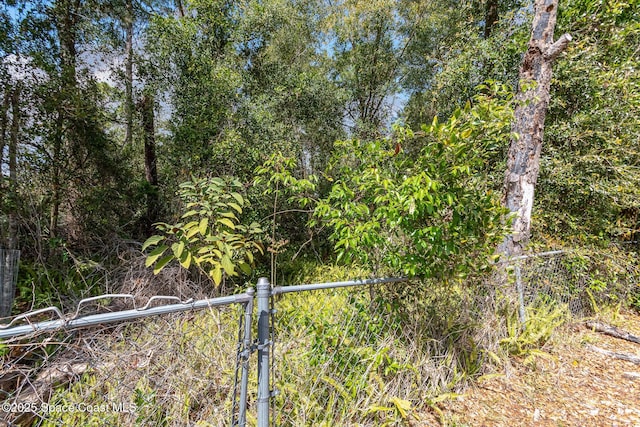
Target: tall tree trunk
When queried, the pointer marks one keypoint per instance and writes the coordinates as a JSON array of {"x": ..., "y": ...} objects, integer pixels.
[
  {"x": 67, "y": 13},
  {"x": 145, "y": 106},
  {"x": 490, "y": 17},
  {"x": 13, "y": 167},
  {"x": 70, "y": 138},
  {"x": 4, "y": 110},
  {"x": 56, "y": 178},
  {"x": 523, "y": 161},
  {"x": 128, "y": 48},
  {"x": 369, "y": 81}
]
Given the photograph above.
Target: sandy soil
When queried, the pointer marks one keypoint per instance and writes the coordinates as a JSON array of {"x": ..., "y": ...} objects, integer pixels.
[{"x": 567, "y": 384}]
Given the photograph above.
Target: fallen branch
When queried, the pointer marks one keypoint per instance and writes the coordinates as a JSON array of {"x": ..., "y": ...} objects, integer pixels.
[
  {"x": 621, "y": 356},
  {"x": 612, "y": 331},
  {"x": 631, "y": 375}
]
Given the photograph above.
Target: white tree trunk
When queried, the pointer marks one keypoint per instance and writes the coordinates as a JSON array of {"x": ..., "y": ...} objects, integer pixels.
[{"x": 523, "y": 161}]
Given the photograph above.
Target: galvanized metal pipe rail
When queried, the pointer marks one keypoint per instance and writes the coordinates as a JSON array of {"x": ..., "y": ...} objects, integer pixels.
[
  {"x": 119, "y": 316},
  {"x": 331, "y": 285},
  {"x": 262, "y": 295}
]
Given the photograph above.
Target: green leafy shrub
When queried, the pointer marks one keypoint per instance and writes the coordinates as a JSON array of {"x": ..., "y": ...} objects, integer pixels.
[
  {"x": 287, "y": 196},
  {"x": 62, "y": 281},
  {"x": 427, "y": 211},
  {"x": 210, "y": 234}
]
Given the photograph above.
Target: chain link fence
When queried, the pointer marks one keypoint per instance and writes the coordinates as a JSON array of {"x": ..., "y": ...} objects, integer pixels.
[
  {"x": 582, "y": 281},
  {"x": 344, "y": 358},
  {"x": 367, "y": 353},
  {"x": 375, "y": 355},
  {"x": 177, "y": 369}
]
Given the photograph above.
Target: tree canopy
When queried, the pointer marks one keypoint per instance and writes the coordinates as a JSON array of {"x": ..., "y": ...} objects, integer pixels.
[{"x": 109, "y": 107}]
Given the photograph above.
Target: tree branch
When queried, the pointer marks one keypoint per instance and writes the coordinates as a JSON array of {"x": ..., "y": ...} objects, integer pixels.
[
  {"x": 612, "y": 331},
  {"x": 558, "y": 47},
  {"x": 621, "y": 356}
]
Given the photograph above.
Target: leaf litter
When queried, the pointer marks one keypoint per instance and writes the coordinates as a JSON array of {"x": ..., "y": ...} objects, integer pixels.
[{"x": 564, "y": 384}]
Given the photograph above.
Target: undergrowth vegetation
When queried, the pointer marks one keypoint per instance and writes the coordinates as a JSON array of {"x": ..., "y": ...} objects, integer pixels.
[
  {"x": 172, "y": 371},
  {"x": 375, "y": 356},
  {"x": 371, "y": 356}
]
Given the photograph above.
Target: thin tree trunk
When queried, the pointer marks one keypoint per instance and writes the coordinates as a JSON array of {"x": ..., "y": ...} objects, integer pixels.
[
  {"x": 490, "y": 17},
  {"x": 56, "y": 181},
  {"x": 66, "y": 139},
  {"x": 523, "y": 161},
  {"x": 70, "y": 143},
  {"x": 66, "y": 23},
  {"x": 128, "y": 107},
  {"x": 180, "y": 8},
  {"x": 145, "y": 106},
  {"x": 4, "y": 110},
  {"x": 13, "y": 167}
]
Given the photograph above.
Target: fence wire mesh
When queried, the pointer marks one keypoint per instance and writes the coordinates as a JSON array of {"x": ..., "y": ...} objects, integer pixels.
[
  {"x": 366, "y": 355},
  {"x": 357, "y": 356},
  {"x": 170, "y": 370},
  {"x": 581, "y": 281}
]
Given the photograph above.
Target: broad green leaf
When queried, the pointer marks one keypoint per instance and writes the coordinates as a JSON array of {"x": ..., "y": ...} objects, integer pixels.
[
  {"x": 177, "y": 249},
  {"x": 190, "y": 225},
  {"x": 228, "y": 215},
  {"x": 162, "y": 263},
  {"x": 228, "y": 266},
  {"x": 227, "y": 222},
  {"x": 246, "y": 269},
  {"x": 186, "y": 259},
  {"x": 152, "y": 241},
  {"x": 216, "y": 275},
  {"x": 192, "y": 232},
  {"x": 154, "y": 255},
  {"x": 238, "y": 198},
  {"x": 236, "y": 207},
  {"x": 204, "y": 224}
]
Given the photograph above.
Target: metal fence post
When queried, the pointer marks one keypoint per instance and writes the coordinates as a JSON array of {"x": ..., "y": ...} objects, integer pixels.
[
  {"x": 263, "y": 294},
  {"x": 246, "y": 354},
  {"x": 520, "y": 289}
]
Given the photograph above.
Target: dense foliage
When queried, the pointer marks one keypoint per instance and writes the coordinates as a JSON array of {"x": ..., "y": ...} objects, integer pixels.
[
  {"x": 590, "y": 176},
  {"x": 108, "y": 109},
  {"x": 311, "y": 140},
  {"x": 211, "y": 235},
  {"x": 426, "y": 209}
]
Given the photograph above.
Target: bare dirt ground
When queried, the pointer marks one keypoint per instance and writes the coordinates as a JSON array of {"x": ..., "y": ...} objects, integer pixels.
[{"x": 566, "y": 385}]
